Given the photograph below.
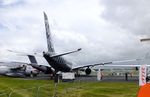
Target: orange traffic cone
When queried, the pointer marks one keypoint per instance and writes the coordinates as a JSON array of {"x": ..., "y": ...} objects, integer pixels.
[{"x": 144, "y": 91}]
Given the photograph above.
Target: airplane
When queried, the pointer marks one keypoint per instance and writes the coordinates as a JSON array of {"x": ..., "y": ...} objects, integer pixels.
[
  {"x": 33, "y": 62},
  {"x": 58, "y": 63},
  {"x": 17, "y": 69},
  {"x": 43, "y": 68}
]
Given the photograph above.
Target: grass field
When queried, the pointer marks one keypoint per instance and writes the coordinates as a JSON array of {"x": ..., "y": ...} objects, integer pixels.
[{"x": 12, "y": 87}]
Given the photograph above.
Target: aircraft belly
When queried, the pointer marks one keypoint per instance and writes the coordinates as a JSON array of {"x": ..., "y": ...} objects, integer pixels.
[
  {"x": 60, "y": 67},
  {"x": 57, "y": 63}
]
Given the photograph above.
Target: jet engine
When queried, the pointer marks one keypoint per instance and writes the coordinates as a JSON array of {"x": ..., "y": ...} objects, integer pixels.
[
  {"x": 88, "y": 71},
  {"x": 46, "y": 69}
]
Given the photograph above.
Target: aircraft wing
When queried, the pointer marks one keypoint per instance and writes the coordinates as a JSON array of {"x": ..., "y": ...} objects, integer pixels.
[
  {"x": 124, "y": 65},
  {"x": 16, "y": 68},
  {"x": 106, "y": 64},
  {"x": 13, "y": 65},
  {"x": 91, "y": 65}
]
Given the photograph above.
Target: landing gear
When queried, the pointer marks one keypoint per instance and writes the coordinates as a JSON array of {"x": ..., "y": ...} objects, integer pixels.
[
  {"x": 31, "y": 75},
  {"x": 56, "y": 81},
  {"x": 56, "y": 77}
]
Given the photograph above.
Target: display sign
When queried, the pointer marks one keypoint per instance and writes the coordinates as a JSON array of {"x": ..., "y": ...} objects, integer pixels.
[
  {"x": 142, "y": 75},
  {"x": 68, "y": 75}
]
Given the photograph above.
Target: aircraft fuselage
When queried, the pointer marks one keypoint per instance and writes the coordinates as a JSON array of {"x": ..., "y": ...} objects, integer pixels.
[{"x": 58, "y": 63}]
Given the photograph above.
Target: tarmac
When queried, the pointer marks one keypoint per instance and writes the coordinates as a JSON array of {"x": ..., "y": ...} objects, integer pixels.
[
  {"x": 90, "y": 78},
  {"x": 108, "y": 78}
]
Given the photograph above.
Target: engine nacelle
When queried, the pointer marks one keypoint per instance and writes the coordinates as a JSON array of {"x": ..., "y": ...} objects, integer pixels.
[
  {"x": 88, "y": 71},
  {"x": 46, "y": 69}
]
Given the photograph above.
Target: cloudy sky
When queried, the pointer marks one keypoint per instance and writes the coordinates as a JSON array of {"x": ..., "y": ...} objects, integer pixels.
[{"x": 106, "y": 30}]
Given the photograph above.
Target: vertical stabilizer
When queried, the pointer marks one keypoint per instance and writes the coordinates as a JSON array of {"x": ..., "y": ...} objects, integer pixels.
[
  {"x": 48, "y": 35},
  {"x": 32, "y": 59}
]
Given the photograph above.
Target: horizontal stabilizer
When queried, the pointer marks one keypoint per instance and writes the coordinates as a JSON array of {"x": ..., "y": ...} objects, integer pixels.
[
  {"x": 32, "y": 59},
  {"x": 25, "y": 54},
  {"x": 66, "y": 53}
]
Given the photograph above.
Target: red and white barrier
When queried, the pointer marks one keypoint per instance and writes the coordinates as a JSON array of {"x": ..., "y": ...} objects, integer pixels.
[{"x": 142, "y": 75}]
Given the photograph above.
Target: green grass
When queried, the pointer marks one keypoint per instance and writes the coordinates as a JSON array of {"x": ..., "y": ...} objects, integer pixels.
[{"x": 31, "y": 88}]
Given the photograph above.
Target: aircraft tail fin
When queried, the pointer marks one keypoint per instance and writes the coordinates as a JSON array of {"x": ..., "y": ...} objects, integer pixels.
[
  {"x": 32, "y": 59},
  {"x": 48, "y": 35}
]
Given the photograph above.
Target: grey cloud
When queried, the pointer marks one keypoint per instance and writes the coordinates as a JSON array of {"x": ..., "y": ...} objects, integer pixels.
[
  {"x": 8, "y": 3},
  {"x": 104, "y": 36},
  {"x": 132, "y": 15}
]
